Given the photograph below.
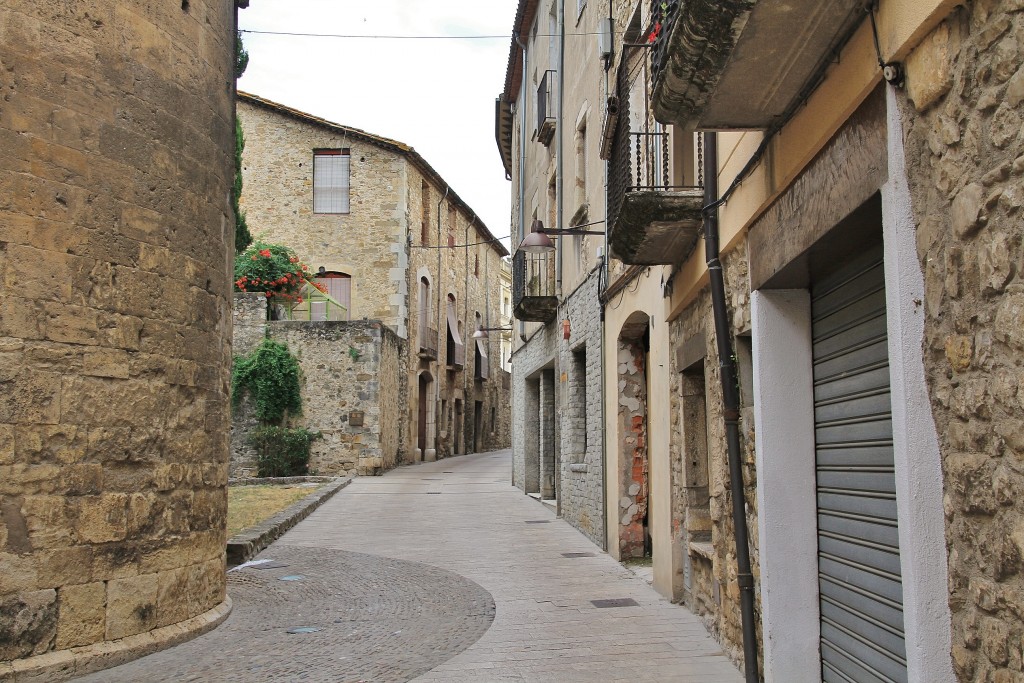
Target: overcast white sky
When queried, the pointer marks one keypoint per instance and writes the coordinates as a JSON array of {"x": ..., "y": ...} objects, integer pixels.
[{"x": 436, "y": 95}]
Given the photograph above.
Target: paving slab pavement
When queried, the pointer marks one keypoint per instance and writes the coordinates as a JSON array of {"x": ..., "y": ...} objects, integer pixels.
[{"x": 462, "y": 519}]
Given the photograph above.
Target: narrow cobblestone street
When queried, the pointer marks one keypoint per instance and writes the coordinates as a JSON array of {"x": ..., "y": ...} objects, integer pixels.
[{"x": 403, "y": 574}]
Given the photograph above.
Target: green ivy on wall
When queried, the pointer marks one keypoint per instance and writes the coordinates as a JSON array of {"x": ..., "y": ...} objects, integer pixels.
[{"x": 270, "y": 375}]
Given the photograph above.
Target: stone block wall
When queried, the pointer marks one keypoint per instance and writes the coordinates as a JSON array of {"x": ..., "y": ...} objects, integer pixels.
[
  {"x": 579, "y": 388},
  {"x": 580, "y": 472},
  {"x": 705, "y": 513},
  {"x": 115, "y": 243},
  {"x": 347, "y": 368},
  {"x": 965, "y": 154}
]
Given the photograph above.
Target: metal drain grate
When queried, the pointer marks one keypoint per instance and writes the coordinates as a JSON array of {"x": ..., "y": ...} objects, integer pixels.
[
  {"x": 577, "y": 554},
  {"x": 538, "y": 521},
  {"x": 615, "y": 602}
]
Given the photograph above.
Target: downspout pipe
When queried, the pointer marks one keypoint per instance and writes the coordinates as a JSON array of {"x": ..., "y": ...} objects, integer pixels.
[
  {"x": 466, "y": 334},
  {"x": 559, "y": 131},
  {"x": 602, "y": 285},
  {"x": 440, "y": 318},
  {"x": 730, "y": 405}
]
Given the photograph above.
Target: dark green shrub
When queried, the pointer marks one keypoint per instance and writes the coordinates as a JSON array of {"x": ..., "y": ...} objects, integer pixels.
[{"x": 282, "y": 452}]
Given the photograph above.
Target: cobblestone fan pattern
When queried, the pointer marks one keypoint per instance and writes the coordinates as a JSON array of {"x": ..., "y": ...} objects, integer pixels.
[
  {"x": 461, "y": 515},
  {"x": 378, "y": 619},
  {"x": 578, "y": 443},
  {"x": 965, "y": 156}
]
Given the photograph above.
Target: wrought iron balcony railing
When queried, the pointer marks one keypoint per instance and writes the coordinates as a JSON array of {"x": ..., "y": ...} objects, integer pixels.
[
  {"x": 428, "y": 343},
  {"x": 654, "y": 193},
  {"x": 534, "y": 297},
  {"x": 664, "y": 14},
  {"x": 546, "y": 108},
  {"x": 456, "y": 354},
  {"x": 481, "y": 364}
]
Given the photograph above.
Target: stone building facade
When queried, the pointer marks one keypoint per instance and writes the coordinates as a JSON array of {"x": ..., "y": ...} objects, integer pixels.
[
  {"x": 352, "y": 381},
  {"x": 871, "y": 247},
  {"x": 558, "y": 456},
  {"x": 115, "y": 328},
  {"x": 414, "y": 256},
  {"x": 549, "y": 142}
]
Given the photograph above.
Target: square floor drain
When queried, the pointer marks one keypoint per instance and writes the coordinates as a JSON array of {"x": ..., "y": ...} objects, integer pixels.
[
  {"x": 538, "y": 521},
  {"x": 615, "y": 602},
  {"x": 577, "y": 554}
]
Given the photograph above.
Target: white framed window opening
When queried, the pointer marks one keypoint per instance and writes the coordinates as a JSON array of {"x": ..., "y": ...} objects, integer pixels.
[{"x": 331, "y": 180}]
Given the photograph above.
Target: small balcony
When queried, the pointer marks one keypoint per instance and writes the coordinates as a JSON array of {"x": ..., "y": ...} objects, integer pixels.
[
  {"x": 428, "y": 343},
  {"x": 765, "y": 55},
  {"x": 534, "y": 297},
  {"x": 481, "y": 363},
  {"x": 546, "y": 108},
  {"x": 654, "y": 193}
]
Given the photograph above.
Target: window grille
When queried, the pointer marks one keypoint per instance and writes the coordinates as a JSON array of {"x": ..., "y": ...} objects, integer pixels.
[{"x": 331, "y": 171}]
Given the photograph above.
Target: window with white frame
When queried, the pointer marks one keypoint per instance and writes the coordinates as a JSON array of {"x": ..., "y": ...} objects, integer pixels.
[{"x": 331, "y": 172}]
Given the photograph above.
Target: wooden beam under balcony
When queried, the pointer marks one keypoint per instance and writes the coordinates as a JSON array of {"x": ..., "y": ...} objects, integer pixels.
[{"x": 656, "y": 227}]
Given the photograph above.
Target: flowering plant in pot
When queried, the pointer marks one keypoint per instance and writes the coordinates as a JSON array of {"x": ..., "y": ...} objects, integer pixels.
[{"x": 274, "y": 270}]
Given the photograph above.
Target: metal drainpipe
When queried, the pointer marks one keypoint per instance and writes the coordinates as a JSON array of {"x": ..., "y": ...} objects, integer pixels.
[
  {"x": 522, "y": 160},
  {"x": 465, "y": 329},
  {"x": 604, "y": 325},
  {"x": 440, "y": 315},
  {"x": 730, "y": 405},
  {"x": 559, "y": 167}
]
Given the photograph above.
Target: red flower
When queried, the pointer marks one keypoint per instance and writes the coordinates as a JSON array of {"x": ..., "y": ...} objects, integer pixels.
[
  {"x": 270, "y": 294},
  {"x": 265, "y": 253}
]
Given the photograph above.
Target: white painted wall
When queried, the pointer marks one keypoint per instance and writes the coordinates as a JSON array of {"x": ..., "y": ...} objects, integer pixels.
[
  {"x": 915, "y": 441},
  {"x": 786, "y": 502}
]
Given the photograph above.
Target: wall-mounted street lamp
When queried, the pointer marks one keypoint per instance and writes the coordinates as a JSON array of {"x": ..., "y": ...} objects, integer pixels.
[
  {"x": 481, "y": 332},
  {"x": 538, "y": 242}
]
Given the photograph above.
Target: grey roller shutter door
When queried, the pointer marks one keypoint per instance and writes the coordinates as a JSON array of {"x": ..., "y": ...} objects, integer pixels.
[{"x": 860, "y": 583}]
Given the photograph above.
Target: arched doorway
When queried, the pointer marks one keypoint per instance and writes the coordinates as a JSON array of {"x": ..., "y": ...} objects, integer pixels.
[{"x": 634, "y": 462}]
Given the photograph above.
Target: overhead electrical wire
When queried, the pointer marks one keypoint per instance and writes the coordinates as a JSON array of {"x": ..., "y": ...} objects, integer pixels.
[
  {"x": 456, "y": 246},
  {"x": 398, "y": 37}
]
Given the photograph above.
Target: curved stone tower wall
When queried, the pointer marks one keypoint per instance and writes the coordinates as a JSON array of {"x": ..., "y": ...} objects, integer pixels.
[{"x": 116, "y": 136}]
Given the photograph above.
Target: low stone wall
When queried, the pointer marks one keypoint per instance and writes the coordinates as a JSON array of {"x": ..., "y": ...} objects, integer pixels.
[{"x": 351, "y": 391}]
